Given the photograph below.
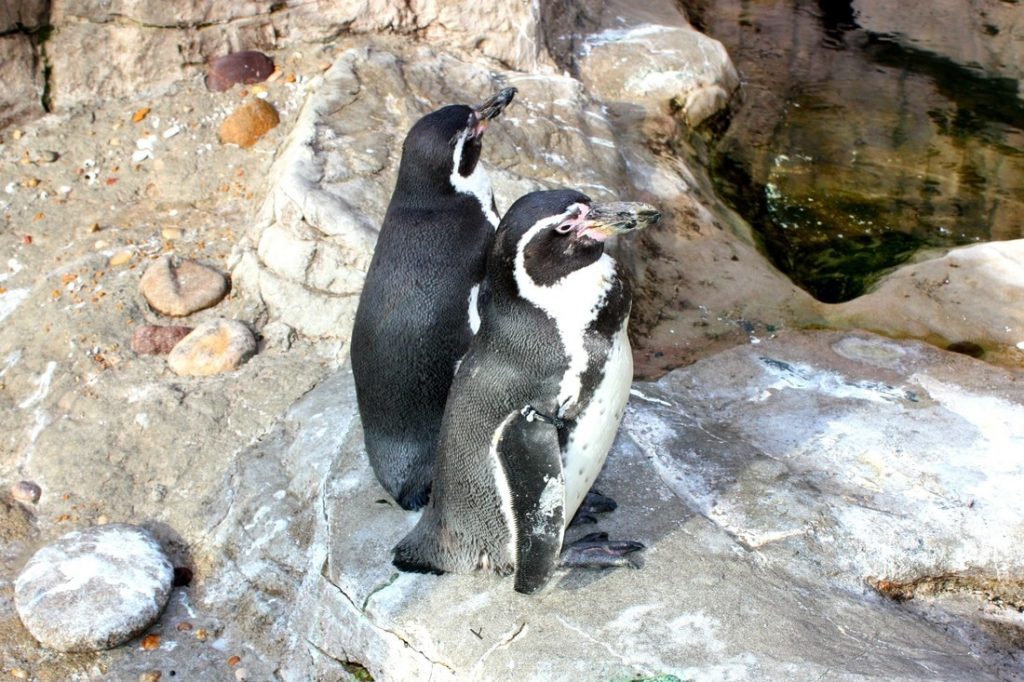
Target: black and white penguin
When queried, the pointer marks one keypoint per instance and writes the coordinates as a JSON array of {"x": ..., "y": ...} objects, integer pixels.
[
  {"x": 418, "y": 308},
  {"x": 538, "y": 398}
]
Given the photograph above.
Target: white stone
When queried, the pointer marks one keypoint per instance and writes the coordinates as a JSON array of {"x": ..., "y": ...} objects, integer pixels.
[{"x": 94, "y": 588}]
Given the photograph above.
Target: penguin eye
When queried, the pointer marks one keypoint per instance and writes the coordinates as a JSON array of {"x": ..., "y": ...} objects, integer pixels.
[{"x": 564, "y": 228}]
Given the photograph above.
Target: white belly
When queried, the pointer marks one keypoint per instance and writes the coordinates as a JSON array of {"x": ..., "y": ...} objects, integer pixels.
[{"x": 587, "y": 449}]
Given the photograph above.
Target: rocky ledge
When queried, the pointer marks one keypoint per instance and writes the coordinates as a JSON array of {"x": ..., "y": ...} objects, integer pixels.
[{"x": 816, "y": 504}]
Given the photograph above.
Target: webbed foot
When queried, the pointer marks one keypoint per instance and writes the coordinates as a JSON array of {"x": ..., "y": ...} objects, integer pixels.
[
  {"x": 595, "y": 550},
  {"x": 593, "y": 503}
]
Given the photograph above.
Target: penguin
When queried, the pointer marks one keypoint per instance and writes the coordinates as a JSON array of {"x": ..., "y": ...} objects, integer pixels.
[
  {"x": 537, "y": 400},
  {"x": 418, "y": 307}
]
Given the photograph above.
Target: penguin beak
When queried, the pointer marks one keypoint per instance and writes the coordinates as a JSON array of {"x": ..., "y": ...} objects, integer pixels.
[
  {"x": 492, "y": 108},
  {"x": 607, "y": 220}
]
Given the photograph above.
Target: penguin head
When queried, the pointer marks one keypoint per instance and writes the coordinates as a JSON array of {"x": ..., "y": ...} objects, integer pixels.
[
  {"x": 444, "y": 146},
  {"x": 546, "y": 236}
]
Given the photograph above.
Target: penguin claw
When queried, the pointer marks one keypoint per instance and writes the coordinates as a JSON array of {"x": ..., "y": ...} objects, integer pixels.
[
  {"x": 597, "y": 503},
  {"x": 595, "y": 550},
  {"x": 593, "y": 503},
  {"x": 582, "y": 519}
]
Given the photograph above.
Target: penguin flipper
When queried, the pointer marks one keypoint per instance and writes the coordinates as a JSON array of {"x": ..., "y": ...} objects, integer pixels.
[{"x": 531, "y": 458}]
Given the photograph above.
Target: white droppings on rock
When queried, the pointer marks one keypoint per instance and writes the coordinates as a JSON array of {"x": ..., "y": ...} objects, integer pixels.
[
  {"x": 10, "y": 301},
  {"x": 94, "y": 589}
]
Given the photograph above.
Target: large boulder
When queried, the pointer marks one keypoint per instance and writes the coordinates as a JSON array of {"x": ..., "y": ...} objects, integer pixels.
[
  {"x": 792, "y": 495},
  {"x": 970, "y": 295},
  {"x": 308, "y": 251}
]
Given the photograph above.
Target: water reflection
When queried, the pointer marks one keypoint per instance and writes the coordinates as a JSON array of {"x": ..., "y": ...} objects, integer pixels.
[{"x": 851, "y": 150}]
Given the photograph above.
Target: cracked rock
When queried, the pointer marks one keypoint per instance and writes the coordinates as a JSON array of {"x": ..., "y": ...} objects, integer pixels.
[
  {"x": 93, "y": 589},
  {"x": 181, "y": 287}
]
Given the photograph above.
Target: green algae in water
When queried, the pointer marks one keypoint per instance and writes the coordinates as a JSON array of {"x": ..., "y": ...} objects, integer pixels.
[{"x": 879, "y": 150}]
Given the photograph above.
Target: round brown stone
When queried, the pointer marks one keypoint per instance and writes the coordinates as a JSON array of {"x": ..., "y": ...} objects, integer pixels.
[
  {"x": 248, "y": 123},
  {"x": 181, "y": 287},
  {"x": 213, "y": 347}
]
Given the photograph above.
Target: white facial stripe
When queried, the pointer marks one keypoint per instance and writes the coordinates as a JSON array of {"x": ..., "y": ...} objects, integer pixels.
[
  {"x": 478, "y": 184},
  {"x": 474, "y": 312},
  {"x": 572, "y": 302}
]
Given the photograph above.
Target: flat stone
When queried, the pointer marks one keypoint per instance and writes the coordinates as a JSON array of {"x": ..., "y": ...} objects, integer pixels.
[
  {"x": 212, "y": 347},
  {"x": 93, "y": 589},
  {"x": 249, "y": 66},
  {"x": 181, "y": 287},
  {"x": 151, "y": 339},
  {"x": 248, "y": 123}
]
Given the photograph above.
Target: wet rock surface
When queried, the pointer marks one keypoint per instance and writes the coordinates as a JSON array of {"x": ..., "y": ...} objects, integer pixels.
[
  {"x": 864, "y": 136},
  {"x": 93, "y": 589},
  {"x": 211, "y": 348}
]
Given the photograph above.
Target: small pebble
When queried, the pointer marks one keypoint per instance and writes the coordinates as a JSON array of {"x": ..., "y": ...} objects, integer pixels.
[
  {"x": 184, "y": 626},
  {"x": 202, "y": 634},
  {"x": 241, "y": 675},
  {"x": 93, "y": 589},
  {"x": 170, "y": 233},
  {"x": 19, "y": 673},
  {"x": 248, "y": 123},
  {"x": 151, "y": 339},
  {"x": 234, "y": 660},
  {"x": 102, "y": 520},
  {"x": 150, "y": 642},
  {"x": 26, "y": 491},
  {"x": 46, "y": 156},
  {"x": 140, "y": 114},
  {"x": 17, "y": 134},
  {"x": 213, "y": 347},
  {"x": 150, "y": 676},
  {"x": 181, "y": 287},
  {"x": 249, "y": 66},
  {"x": 120, "y": 258}
]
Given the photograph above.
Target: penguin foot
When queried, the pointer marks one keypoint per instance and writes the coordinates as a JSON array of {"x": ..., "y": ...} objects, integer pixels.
[
  {"x": 593, "y": 503},
  {"x": 596, "y": 503},
  {"x": 597, "y": 551}
]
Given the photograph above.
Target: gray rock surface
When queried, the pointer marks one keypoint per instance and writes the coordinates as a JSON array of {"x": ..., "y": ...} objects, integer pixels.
[
  {"x": 94, "y": 588},
  {"x": 783, "y": 489}
]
